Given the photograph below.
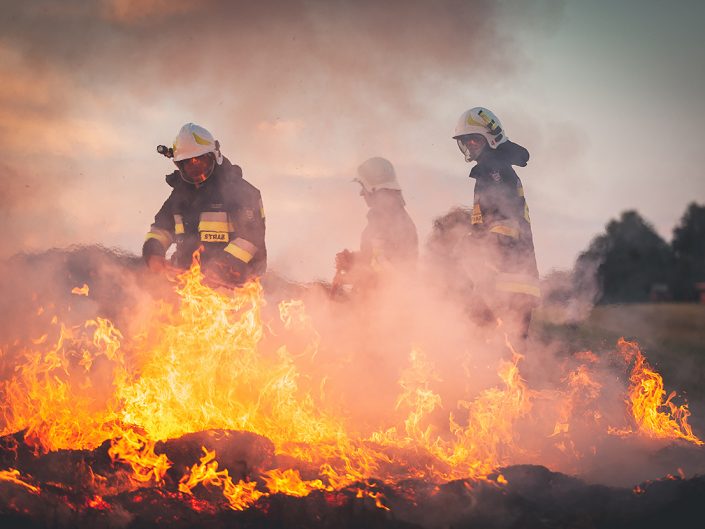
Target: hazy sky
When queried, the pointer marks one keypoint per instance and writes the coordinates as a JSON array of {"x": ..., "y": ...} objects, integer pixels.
[{"x": 609, "y": 98}]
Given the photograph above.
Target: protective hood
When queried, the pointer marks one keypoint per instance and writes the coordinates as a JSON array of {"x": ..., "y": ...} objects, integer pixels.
[
  {"x": 386, "y": 199},
  {"x": 512, "y": 153},
  {"x": 226, "y": 168}
]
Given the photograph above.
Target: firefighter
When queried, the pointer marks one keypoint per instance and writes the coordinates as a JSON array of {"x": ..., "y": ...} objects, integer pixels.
[
  {"x": 389, "y": 242},
  {"x": 210, "y": 207},
  {"x": 500, "y": 254}
]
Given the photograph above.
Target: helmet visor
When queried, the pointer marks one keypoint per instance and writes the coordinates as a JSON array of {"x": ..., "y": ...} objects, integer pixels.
[
  {"x": 196, "y": 170},
  {"x": 471, "y": 145}
]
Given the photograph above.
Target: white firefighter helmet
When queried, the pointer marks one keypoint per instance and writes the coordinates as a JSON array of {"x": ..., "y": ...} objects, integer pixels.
[
  {"x": 377, "y": 173},
  {"x": 193, "y": 141},
  {"x": 480, "y": 120}
]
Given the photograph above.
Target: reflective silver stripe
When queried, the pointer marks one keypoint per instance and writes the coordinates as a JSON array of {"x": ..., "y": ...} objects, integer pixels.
[
  {"x": 214, "y": 216},
  {"x": 215, "y": 221},
  {"x": 178, "y": 224},
  {"x": 518, "y": 284},
  {"x": 161, "y": 235}
]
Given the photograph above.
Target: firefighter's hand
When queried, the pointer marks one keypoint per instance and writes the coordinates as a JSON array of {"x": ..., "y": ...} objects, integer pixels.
[
  {"x": 225, "y": 272},
  {"x": 156, "y": 263},
  {"x": 344, "y": 260}
]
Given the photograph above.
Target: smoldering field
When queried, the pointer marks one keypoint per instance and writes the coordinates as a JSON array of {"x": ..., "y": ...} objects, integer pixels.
[
  {"x": 404, "y": 354},
  {"x": 398, "y": 393}
]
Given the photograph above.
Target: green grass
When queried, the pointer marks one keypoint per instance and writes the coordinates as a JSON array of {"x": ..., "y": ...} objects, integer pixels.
[{"x": 671, "y": 335}]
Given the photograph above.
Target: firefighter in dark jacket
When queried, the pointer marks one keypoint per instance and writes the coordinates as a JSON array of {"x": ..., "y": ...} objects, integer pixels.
[
  {"x": 210, "y": 207},
  {"x": 389, "y": 242},
  {"x": 499, "y": 254}
]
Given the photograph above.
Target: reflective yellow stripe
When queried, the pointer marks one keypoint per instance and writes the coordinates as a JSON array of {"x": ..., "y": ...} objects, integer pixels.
[
  {"x": 519, "y": 288},
  {"x": 163, "y": 236},
  {"x": 261, "y": 208},
  {"x": 200, "y": 140},
  {"x": 520, "y": 189},
  {"x": 240, "y": 253},
  {"x": 503, "y": 229},
  {"x": 518, "y": 284},
  {"x": 488, "y": 120},
  {"x": 224, "y": 227},
  {"x": 379, "y": 261},
  {"x": 526, "y": 213},
  {"x": 476, "y": 214},
  {"x": 178, "y": 224}
]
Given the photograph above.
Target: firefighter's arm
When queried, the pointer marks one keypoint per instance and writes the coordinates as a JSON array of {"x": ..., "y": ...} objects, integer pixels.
[
  {"x": 347, "y": 265},
  {"x": 248, "y": 243},
  {"x": 504, "y": 233},
  {"x": 379, "y": 260},
  {"x": 500, "y": 243},
  {"x": 344, "y": 261},
  {"x": 503, "y": 229},
  {"x": 355, "y": 268},
  {"x": 159, "y": 237}
]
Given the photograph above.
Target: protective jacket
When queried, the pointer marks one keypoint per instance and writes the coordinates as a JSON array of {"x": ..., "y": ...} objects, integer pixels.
[
  {"x": 501, "y": 222},
  {"x": 390, "y": 238},
  {"x": 225, "y": 215}
]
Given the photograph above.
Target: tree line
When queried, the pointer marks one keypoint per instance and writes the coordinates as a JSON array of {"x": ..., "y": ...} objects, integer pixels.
[{"x": 631, "y": 263}]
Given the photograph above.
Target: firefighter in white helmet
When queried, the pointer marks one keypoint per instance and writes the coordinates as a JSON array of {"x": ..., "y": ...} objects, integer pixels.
[
  {"x": 389, "y": 242},
  {"x": 210, "y": 207},
  {"x": 500, "y": 250}
]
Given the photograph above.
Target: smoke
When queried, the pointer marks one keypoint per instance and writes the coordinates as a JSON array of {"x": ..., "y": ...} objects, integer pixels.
[
  {"x": 568, "y": 297},
  {"x": 372, "y": 358},
  {"x": 298, "y": 93}
]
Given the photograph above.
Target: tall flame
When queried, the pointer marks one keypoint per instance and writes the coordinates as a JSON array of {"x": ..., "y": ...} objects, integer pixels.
[
  {"x": 203, "y": 365},
  {"x": 655, "y": 414}
]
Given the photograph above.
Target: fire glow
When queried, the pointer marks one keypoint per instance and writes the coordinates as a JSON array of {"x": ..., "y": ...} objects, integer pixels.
[{"x": 200, "y": 365}]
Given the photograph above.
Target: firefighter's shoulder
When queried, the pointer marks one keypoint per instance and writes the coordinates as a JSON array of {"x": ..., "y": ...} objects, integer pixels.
[
  {"x": 246, "y": 196},
  {"x": 173, "y": 179}
]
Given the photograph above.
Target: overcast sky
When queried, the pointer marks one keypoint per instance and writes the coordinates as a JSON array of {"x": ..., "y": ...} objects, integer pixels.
[{"x": 609, "y": 98}]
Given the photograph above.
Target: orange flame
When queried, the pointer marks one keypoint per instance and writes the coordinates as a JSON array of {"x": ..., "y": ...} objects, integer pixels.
[
  {"x": 138, "y": 451},
  {"x": 80, "y": 291},
  {"x": 240, "y": 495},
  {"x": 13, "y": 476},
  {"x": 655, "y": 414},
  {"x": 201, "y": 365},
  {"x": 289, "y": 482}
]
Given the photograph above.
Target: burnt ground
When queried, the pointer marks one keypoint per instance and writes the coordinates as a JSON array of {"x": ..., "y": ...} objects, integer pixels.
[{"x": 533, "y": 497}]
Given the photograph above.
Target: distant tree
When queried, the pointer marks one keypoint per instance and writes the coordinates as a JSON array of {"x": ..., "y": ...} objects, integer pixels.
[
  {"x": 689, "y": 250},
  {"x": 628, "y": 260}
]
